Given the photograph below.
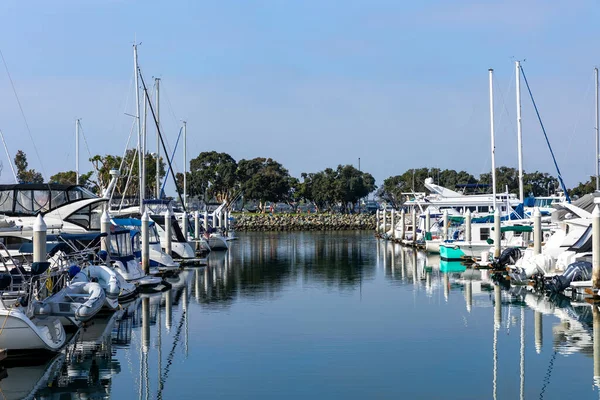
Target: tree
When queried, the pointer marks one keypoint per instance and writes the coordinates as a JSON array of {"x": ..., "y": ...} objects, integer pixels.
[
  {"x": 69, "y": 178},
  {"x": 263, "y": 179},
  {"x": 584, "y": 188},
  {"x": 104, "y": 164},
  {"x": 25, "y": 175},
  {"x": 214, "y": 174},
  {"x": 539, "y": 184},
  {"x": 351, "y": 185}
]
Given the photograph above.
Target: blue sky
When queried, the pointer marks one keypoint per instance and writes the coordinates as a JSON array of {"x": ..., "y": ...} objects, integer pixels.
[{"x": 312, "y": 84}]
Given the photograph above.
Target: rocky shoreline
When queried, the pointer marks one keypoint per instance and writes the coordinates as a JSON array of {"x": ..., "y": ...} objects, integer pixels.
[{"x": 303, "y": 222}]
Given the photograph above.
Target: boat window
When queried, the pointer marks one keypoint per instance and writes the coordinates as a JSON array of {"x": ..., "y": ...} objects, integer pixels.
[
  {"x": 484, "y": 233},
  {"x": 88, "y": 217},
  {"x": 41, "y": 200},
  {"x": 6, "y": 201},
  {"x": 153, "y": 237},
  {"x": 120, "y": 244},
  {"x": 74, "y": 194},
  {"x": 59, "y": 198},
  {"x": 583, "y": 239},
  {"x": 24, "y": 203},
  {"x": 137, "y": 243}
]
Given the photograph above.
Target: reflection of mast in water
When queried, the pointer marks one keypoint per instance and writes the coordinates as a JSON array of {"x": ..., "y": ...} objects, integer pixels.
[
  {"x": 145, "y": 342},
  {"x": 469, "y": 294},
  {"x": 596, "y": 327},
  {"x": 185, "y": 311},
  {"x": 403, "y": 263},
  {"x": 538, "y": 332},
  {"x": 522, "y": 354},
  {"x": 446, "y": 286},
  {"x": 168, "y": 310},
  {"x": 414, "y": 266},
  {"x": 497, "y": 322}
]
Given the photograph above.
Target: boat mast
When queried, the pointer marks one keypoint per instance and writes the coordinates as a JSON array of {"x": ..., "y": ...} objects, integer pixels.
[
  {"x": 597, "y": 155},
  {"x": 143, "y": 153},
  {"x": 184, "y": 165},
  {"x": 491, "y": 73},
  {"x": 157, "y": 83},
  {"x": 8, "y": 158},
  {"x": 77, "y": 151},
  {"x": 139, "y": 128},
  {"x": 519, "y": 132}
]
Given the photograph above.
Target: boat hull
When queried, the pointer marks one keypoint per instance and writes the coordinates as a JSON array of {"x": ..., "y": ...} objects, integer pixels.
[{"x": 21, "y": 334}]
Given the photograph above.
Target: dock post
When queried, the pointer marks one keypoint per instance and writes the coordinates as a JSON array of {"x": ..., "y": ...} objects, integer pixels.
[
  {"x": 384, "y": 229},
  {"x": 468, "y": 236},
  {"x": 445, "y": 229},
  {"x": 393, "y": 223},
  {"x": 146, "y": 243},
  {"x": 205, "y": 222},
  {"x": 403, "y": 224},
  {"x": 196, "y": 225},
  {"x": 596, "y": 248},
  {"x": 414, "y": 226},
  {"x": 538, "y": 331},
  {"x": 427, "y": 220},
  {"x": 185, "y": 225},
  {"x": 105, "y": 228},
  {"x": 537, "y": 231},
  {"x": 39, "y": 239},
  {"x": 377, "y": 221},
  {"x": 214, "y": 220},
  {"x": 168, "y": 232},
  {"x": 497, "y": 233}
]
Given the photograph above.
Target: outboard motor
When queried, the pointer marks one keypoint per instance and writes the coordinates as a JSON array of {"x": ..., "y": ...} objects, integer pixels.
[
  {"x": 577, "y": 271},
  {"x": 508, "y": 257}
]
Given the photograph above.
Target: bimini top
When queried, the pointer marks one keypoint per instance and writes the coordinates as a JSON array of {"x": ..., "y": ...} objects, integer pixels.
[{"x": 32, "y": 198}]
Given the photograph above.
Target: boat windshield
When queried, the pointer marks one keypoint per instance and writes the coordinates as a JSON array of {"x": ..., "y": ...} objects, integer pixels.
[
  {"x": 120, "y": 244},
  {"x": 30, "y": 199}
]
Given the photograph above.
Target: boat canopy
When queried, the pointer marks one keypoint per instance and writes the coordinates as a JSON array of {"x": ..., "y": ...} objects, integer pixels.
[
  {"x": 130, "y": 222},
  {"x": 33, "y": 198},
  {"x": 51, "y": 248}
]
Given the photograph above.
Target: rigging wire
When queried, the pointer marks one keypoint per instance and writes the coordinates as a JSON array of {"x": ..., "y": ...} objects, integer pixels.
[
  {"x": 12, "y": 84},
  {"x": 562, "y": 183}
]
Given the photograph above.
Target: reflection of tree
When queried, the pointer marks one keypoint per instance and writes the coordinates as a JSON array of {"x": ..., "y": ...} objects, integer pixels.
[{"x": 260, "y": 265}]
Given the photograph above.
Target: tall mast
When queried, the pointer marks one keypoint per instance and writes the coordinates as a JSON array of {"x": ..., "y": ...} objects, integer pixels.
[
  {"x": 139, "y": 127},
  {"x": 143, "y": 153},
  {"x": 77, "y": 151},
  {"x": 597, "y": 155},
  {"x": 519, "y": 132},
  {"x": 491, "y": 71},
  {"x": 157, "y": 83},
  {"x": 10, "y": 162},
  {"x": 184, "y": 165}
]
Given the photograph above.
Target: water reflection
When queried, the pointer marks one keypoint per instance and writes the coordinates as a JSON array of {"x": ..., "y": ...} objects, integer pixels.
[{"x": 141, "y": 350}]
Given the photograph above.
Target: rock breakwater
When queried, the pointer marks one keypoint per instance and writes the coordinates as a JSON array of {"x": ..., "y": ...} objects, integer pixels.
[{"x": 303, "y": 222}]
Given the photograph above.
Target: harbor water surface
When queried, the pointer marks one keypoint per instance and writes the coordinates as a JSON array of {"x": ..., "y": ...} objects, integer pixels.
[{"x": 325, "y": 315}]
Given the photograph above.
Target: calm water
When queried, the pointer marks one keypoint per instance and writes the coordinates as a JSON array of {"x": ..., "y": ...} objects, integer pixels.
[{"x": 325, "y": 315}]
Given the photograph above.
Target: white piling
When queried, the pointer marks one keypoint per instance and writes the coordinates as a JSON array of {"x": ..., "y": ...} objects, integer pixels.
[
  {"x": 214, "y": 220},
  {"x": 384, "y": 229},
  {"x": 196, "y": 224},
  {"x": 403, "y": 224},
  {"x": 497, "y": 233},
  {"x": 393, "y": 220},
  {"x": 105, "y": 228},
  {"x": 537, "y": 231},
  {"x": 445, "y": 230},
  {"x": 414, "y": 225},
  {"x": 168, "y": 232},
  {"x": 377, "y": 222},
  {"x": 146, "y": 243},
  {"x": 468, "y": 235},
  {"x": 427, "y": 220},
  {"x": 39, "y": 239},
  {"x": 596, "y": 248},
  {"x": 185, "y": 225},
  {"x": 205, "y": 222}
]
